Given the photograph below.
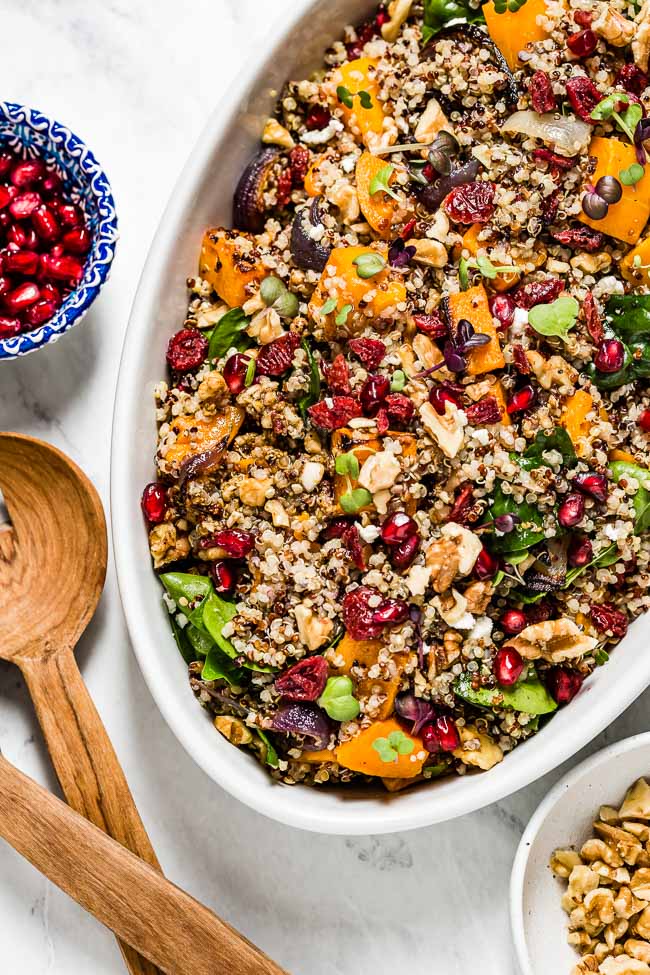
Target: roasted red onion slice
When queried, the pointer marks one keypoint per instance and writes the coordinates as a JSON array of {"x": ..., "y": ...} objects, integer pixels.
[
  {"x": 248, "y": 205},
  {"x": 303, "y": 719},
  {"x": 308, "y": 253},
  {"x": 432, "y": 196},
  {"x": 202, "y": 463}
]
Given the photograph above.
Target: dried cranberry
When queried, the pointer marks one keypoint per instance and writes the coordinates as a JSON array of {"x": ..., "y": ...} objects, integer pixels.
[
  {"x": 318, "y": 117},
  {"x": 284, "y": 188},
  {"x": 382, "y": 422},
  {"x": 334, "y": 413},
  {"x": 305, "y": 681},
  {"x": 583, "y": 43},
  {"x": 154, "y": 503},
  {"x": 236, "y": 542},
  {"x": 553, "y": 159},
  {"x": 403, "y": 554},
  {"x": 275, "y": 358},
  {"x": 358, "y": 615},
  {"x": 632, "y": 79},
  {"x": 392, "y": 612},
  {"x": 440, "y": 396},
  {"x": 447, "y": 733},
  {"x": 373, "y": 393},
  {"x": 337, "y": 375},
  {"x": 610, "y": 356},
  {"x": 563, "y": 684},
  {"x": 502, "y": 308},
  {"x": 336, "y": 528},
  {"x": 538, "y": 292},
  {"x": 508, "y": 666},
  {"x": 299, "y": 160},
  {"x": 549, "y": 208},
  {"x": 486, "y": 565},
  {"x": 370, "y": 352},
  {"x": 352, "y": 542},
  {"x": 486, "y": 411},
  {"x": 541, "y": 92},
  {"x": 186, "y": 350},
  {"x": 571, "y": 511},
  {"x": 522, "y": 400},
  {"x": 400, "y": 408},
  {"x": 579, "y": 238},
  {"x": 224, "y": 577},
  {"x": 595, "y": 485},
  {"x": 470, "y": 202},
  {"x": 580, "y": 552},
  {"x": 583, "y": 96},
  {"x": 432, "y": 325},
  {"x": 520, "y": 359},
  {"x": 234, "y": 372},
  {"x": 644, "y": 421},
  {"x": 398, "y": 527},
  {"x": 464, "y": 511},
  {"x": 593, "y": 321},
  {"x": 607, "y": 619},
  {"x": 540, "y": 612}
]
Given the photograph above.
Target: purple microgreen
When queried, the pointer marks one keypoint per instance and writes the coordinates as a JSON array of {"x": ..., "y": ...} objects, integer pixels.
[
  {"x": 399, "y": 255},
  {"x": 454, "y": 359},
  {"x": 506, "y": 523},
  {"x": 641, "y": 134}
]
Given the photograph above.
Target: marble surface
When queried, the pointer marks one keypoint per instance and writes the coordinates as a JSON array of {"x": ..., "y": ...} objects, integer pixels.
[{"x": 137, "y": 81}]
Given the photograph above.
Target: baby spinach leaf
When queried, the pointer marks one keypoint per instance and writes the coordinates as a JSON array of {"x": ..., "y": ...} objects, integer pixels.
[
  {"x": 218, "y": 666},
  {"x": 559, "y": 440},
  {"x": 609, "y": 556},
  {"x": 229, "y": 334},
  {"x": 271, "y": 757},
  {"x": 187, "y": 585},
  {"x": 527, "y": 695},
  {"x": 182, "y": 642},
  {"x": 200, "y": 640},
  {"x": 437, "y": 13},
  {"x": 216, "y": 613},
  {"x": 528, "y": 530},
  {"x": 621, "y": 469},
  {"x": 556, "y": 318}
]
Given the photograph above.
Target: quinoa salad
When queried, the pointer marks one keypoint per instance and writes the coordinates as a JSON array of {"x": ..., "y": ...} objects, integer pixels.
[{"x": 403, "y": 491}]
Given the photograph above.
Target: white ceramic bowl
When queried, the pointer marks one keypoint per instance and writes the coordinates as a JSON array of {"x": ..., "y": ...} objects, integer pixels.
[
  {"x": 564, "y": 818},
  {"x": 202, "y": 198}
]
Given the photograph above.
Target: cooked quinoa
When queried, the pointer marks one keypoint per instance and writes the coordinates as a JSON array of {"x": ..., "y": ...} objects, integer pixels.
[{"x": 402, "y": 501}]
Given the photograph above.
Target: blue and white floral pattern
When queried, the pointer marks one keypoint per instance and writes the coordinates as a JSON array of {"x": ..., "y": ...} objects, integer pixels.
[{"x": 31, "y": 133}]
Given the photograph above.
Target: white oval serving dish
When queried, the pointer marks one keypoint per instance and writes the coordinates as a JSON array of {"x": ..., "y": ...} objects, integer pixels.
[
  {"x": 563, "y": 819},
  {"x": 202, "y": 198}
]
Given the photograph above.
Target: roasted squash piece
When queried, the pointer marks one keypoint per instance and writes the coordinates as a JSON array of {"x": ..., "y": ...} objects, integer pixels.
[
  {"x": 623, "y": 455},
  {"x": 511, "y": 31},
  {"x": 375, "y": 297},
  {"x": 626, "y": 219},
  {"x": 365, "y": 123},
  {"x": 194, "y": 437},
  {"x": 230, "y": 264},
  {"x": 471, "y": 243},
  {"x": 379, "y": 209},
  {"x": 473, "y": 305},
  {"x": 365, "y": 653},
  {"x": 359, "y": 755},
  {"x": 499, "y": 394},
  {"x": 635, "y": 266},
  {"x": 574, "y": 417}
]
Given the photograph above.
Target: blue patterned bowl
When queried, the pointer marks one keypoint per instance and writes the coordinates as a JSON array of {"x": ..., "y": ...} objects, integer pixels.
[{"x": 28, "y": 132}]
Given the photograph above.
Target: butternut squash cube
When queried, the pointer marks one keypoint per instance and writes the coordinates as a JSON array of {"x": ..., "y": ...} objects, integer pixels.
[
  {"x": 473, "y": 306},
  {"x": 626, "y": 219},
  {"x": 229, "y": 264}
]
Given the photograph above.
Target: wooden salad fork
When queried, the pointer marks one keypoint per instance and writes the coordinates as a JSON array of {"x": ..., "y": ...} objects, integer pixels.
[{"x": 53, "y": 557}]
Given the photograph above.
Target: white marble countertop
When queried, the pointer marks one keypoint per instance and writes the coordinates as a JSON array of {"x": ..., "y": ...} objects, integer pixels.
[{"x": 137, "y": 81}]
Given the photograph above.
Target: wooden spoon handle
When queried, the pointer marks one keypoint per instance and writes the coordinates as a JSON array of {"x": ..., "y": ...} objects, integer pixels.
[
  {"x": 161, "y": 921},
  {"x": 85, "y": 762}
]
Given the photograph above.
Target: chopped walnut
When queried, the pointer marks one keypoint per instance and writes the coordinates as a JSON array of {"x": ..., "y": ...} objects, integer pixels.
[
  {"x": 166, "y": 545},
  {"x": 379, "y": 471},
  {"x": 443, "y": 561},
  {"x": 623, "y": 965},
  {"x": 626, "y": 845},
  {"x": 641, "y": 42},
  {"x": 233, "y": 729},
  {"x": 253, "y": 490},
  {"x": 448, "y": 430},
  {"x": 563, "y": 861},
  {"x": 213, "y": 389},
  {"x": 313, "y": 631},
  {"x": 636, "y": 804},
  {"x": 478, "y": 748},
  {"x": 553, "y": 640},
  {"x": 275, "y": 134},
  {"x": 398, "y": 11},
  {"x": 554, "y": 371},
  {"x": 432, "y": 121},
  {"x": 478, "y": 595},
  {"x": 431, "y": 253},
  {"x": 616, "y": 29}
]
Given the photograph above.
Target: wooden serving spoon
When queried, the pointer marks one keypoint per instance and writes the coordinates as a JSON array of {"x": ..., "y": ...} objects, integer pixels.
[
  {"x": 52, "y": 570},
  {"x": 180, "y": 935}
]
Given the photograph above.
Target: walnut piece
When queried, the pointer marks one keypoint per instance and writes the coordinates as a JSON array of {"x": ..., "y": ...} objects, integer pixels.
[
  {"x": 478, "y": 595},
  {"x": 312, "y": 630},
  {"x": 275, "y": 134},
  {"x": 636, "y": 804},
  {"x": 641, "y": 42},
  {"x": 233, "y": 729},
  {"x": 443, "y": 562},
  {"x": 623, "y": 965},
  {"x": 379, "y": 471},
  {"x": 478, "y": 749},
  {"x": 553, "y": 640},
  {"x": 616, "y": 29},
  {"x": 166, "y": 545},
  {"x": 432, "y": 121},
  {"x": 398, "y": 11},
  {"x": 448, "y": 430}
]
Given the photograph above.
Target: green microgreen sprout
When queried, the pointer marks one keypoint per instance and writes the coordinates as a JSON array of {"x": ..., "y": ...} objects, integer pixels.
[
  {"x": 353, "y": 501},
  {"x": 397, "y": 381},
  {"x": 380, "y": 182},
  {"x": 484, "y": 266},
  {"x": 370, "y": 264},
  {"x": 609, "y": 108},
  {"x": 389, "y": 749},
  {"x": 338, "y": 700},
  {"x": 556, "y": 318},
  {"x": 347, "y": 465},
  {"x": 631, "y": 175},
  {"x": 250, "y": 373},
  {"x": 344, "y": 95},
  {"x": 601, "y": 657},
  {"x": 276, "y": 295},
  {"x": 365, "y": 99},
  {"x": 342, "y": 316},
  {"x": 329, "y": 306}
]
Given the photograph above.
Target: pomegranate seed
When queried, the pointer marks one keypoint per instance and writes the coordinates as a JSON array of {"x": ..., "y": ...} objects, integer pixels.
[
  {"x": 6, "y": 284},
  {"x": 595, "y": 485},
  {"x": 234, "y": 372},
  {"x": 439, "y": 396},
  {"x": 5, "y": 219},
  {"x": 610, "y": 356},
  {"x": 235, "y": 541},
  {"x": 580, "y": 552},
  {"x": 392, "y": 612},
  {"x": 373, "y": 393},
  {"x": 5, "y": 197},
  {"x": 69, "y": 215},
  {"x": 46, "y": 225},
  {"x": 22, "y": 297},
  {"x": 21, "y": 262},
  {"x": 52, "y": 294},
  {"x": 41, "y": 312},
  {"x": 397, "y": 528},
  {"x": 57, "y": 250},
  {"x": 77, "y": 240},
  {"x": 508, "y": 666},
  {"x": 403, "y": 554},
  {"x": 24, "y": 205},
  {"x": 571, "y": 511},
  {"x": 644, "y": 421},
  {"x": 22, "y": 236},
  {"x": 447, "y": 734},
  {"x": 224, "y": 577},
  {"x": 51, "y": 185},
  {"x": 336, "y": 529},
  {"x": 513, "y": 621},
  {"x": 582, "y": 43},
  {"x": 154, "y": 503},
  {"x": 583, "y": 18},
  {"x": 318, "y": 117},
  {"x": 63, "y": 268},
  {"x": 523, "y": 399},
  {"x": 27, "y": 172},
  {"x": 9, "y": 327},
  {"x": 7, "y": 159},
  {"x": 430, "y": 739},
  {"x": 563, "y": 684},
  {"x": 486, "y": 566},
  {"x": 503, "y": 309}
]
